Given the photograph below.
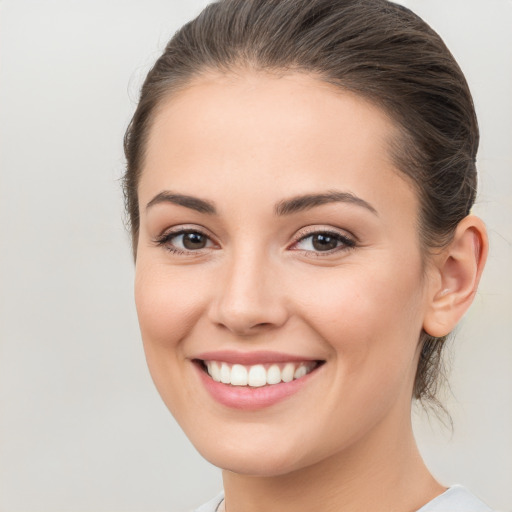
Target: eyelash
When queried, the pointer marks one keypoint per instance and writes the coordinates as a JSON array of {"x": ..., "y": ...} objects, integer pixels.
[
  {"x": 346, "y": 243},
  {"x": 164, "y": 241}
]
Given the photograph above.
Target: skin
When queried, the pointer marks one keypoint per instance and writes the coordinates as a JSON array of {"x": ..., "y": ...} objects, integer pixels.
[{"x": 245, "y": 142}]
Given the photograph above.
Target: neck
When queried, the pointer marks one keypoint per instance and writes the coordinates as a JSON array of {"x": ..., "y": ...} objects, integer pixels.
[{"x": 383, "y": 472}]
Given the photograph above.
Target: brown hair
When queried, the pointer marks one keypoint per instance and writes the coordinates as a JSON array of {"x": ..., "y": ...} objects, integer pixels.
[{"x": 375, "y": 48}]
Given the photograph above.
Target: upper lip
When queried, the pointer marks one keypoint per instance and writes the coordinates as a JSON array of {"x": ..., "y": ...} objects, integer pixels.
[{"x": 252, "y": 358}]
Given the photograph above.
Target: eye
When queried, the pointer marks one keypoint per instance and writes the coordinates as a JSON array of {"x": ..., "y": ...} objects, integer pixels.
[
  {"x": 184, "y": 241},
  {"x": 324, "y": 242}
]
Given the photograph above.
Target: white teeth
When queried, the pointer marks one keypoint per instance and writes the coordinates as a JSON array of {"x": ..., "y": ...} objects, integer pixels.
[
  {"x": 238, "y": 375},
  {"x": 214, "y": 371},
  {"x": 225, "y": 374},
  {"x": 287, "y": 373},
  {"x": 257, "y": 375},
  {"x": 300, "y": 372},
  {"x": 274, "y": 375}
]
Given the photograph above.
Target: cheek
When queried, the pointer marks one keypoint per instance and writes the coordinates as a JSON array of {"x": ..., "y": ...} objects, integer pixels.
[
  {"x": 370, "y": 315},
  {"x": 169, "y": 302},
  {"x": 370, "y": 319}
]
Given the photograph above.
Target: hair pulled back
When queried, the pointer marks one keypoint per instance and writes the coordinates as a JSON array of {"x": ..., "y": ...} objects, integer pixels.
[{"x": 374, "y": 48}]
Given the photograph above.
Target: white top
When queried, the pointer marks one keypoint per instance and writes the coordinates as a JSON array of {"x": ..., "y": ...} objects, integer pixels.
[{"x": 454, "y": 499}]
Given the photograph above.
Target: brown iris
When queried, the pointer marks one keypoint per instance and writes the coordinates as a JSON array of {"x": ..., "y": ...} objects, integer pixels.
[
  {"x": 324, "y": 242},
  {"x": 194, "y": 240}
]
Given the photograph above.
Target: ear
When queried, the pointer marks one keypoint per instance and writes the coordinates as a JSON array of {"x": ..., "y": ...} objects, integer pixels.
[{"x": 455, "y": 276}]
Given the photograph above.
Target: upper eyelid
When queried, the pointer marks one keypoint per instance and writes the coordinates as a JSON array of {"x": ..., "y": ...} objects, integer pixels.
[
  {"x": 182, "y": 229},
  {"x": 346, "y": 241},
  {"x": 308, "y": 231},
  {"x": 300, "y": 235},
  {"x": 163, "y": 240}
]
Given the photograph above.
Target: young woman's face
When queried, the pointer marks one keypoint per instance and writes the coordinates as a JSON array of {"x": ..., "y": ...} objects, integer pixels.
[{"x": 278, "y": 241}]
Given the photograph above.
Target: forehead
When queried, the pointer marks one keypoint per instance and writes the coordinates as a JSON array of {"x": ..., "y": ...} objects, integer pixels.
[{"x": 255, "y": 133}]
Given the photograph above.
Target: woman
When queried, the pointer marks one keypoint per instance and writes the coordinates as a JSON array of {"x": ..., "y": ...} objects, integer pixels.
[{"x": 299, "y": 181}]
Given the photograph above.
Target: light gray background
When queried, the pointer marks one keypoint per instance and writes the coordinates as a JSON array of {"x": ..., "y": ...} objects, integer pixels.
[{"x": 81, "y": 427}]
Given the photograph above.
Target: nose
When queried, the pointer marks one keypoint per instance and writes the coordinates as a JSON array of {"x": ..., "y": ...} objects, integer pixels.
[{"x": 249, "y": 297}]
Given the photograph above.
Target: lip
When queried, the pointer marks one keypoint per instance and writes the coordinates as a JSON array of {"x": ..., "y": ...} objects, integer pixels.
[
  {"x": 252, "y": 358},
  {"x": 247, "y": 398}
]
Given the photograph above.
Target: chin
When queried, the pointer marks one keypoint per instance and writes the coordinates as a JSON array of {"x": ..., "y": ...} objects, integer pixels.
[{"x": 252, "y": 460}]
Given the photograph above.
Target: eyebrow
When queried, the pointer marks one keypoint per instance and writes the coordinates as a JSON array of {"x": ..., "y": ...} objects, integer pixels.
[
  {"x": 282, "y": 208},
  {"x": 307, "y": 201},
  {"x": 194, "y": 203}
]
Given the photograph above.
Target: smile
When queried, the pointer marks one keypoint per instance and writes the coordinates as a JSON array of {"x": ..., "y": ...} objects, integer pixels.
[
  {"x": 251, "y": 381},
  {"x": 258, "y": 375}
]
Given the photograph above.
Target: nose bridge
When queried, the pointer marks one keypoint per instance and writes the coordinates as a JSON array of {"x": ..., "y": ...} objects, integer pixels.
[{"x": 249, "y": 297}]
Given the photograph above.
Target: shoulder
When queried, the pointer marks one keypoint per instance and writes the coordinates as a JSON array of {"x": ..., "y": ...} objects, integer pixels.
[
  {"x": 211, "y": 506},
  {"x": 455, "y": 499}
]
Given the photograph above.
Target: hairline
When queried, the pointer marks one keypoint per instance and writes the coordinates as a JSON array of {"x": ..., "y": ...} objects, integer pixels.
[{"x": 395, "y": 142}]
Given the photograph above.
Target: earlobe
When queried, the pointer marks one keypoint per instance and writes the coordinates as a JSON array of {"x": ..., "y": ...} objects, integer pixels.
[{"x": 457, "y": 269}]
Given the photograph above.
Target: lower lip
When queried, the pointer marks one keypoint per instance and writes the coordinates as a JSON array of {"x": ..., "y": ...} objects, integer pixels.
[{"x": 249, "y": 398}]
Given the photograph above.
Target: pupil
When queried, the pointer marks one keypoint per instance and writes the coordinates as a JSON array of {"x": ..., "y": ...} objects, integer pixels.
[
  {"x": 324, "y": 242},
  {"x": 194, "y": 241}
]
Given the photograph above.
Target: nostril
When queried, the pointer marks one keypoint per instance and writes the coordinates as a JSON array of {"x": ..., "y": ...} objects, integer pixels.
[
  {"x": 246, "y": 312},
  {"x": 262, "y": 325},
  {"x": 246, "y": 330}
]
